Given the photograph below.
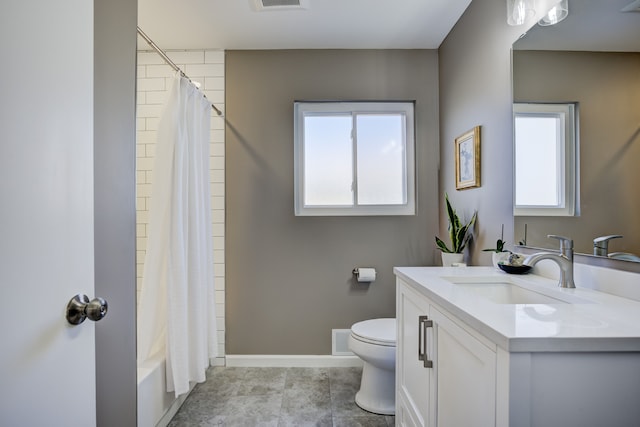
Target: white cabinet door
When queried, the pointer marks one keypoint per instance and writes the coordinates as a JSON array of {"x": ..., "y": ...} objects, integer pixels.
[
  {"x": 460, "y": 387},
  {"x": 414, "y": 381},
  {"x": 466, "y": 376},
  {"x": 47, "y": 367}
]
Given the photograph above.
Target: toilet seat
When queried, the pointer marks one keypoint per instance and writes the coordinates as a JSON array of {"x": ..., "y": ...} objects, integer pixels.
[{"x": 376, "y": 331}]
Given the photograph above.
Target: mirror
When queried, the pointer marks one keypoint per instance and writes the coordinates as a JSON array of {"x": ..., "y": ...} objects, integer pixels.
[{"x": 592, "y": 58}]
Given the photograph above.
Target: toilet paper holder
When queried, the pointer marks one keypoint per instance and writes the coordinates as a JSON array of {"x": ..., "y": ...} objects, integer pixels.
[{"x": 364, "y": 274}]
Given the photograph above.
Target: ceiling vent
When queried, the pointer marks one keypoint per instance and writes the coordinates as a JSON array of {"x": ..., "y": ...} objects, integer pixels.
[
  {"x": 264, "y": 5},
  {"x": 632, "y": 7}
]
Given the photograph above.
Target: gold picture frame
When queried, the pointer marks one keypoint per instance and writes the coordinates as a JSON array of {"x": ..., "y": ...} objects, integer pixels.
[{"x": 468, "y": 159}]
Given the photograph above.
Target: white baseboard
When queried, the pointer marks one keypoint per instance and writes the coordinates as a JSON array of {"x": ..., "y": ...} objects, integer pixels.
[{"x": 292, "y": 361}]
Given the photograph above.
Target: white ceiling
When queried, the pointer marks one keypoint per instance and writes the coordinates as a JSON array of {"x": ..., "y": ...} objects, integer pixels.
[{"x": 327, "y": 24}]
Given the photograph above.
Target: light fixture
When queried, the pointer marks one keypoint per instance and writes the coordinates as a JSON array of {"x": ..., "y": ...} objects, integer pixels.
[
  {"x": 520, "y": 11},
  {"x": 557, "y": 13}
]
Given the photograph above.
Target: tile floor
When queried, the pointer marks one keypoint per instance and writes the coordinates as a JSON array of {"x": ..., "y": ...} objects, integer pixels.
[{"x": 250, "y": 397}]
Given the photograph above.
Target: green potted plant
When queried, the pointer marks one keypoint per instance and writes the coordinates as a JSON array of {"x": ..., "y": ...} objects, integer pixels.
[
  {"x": 459, "y": 234},
  {"x": 499, "y": 253}
]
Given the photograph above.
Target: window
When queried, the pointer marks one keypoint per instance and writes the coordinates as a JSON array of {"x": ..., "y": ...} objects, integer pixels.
[
  {"x": 354, "y": 158},
  {"x": 545, "y": 160}
]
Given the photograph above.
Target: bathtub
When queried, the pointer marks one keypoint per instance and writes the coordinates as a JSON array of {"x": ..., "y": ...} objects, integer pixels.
[{"x": 156, "y": 407}]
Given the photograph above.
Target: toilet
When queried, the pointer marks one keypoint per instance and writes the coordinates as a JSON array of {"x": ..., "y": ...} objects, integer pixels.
[{"x": 374, "y": 341}]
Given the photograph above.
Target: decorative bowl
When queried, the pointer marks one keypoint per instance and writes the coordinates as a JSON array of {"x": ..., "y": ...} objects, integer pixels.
[{"x": 514, "y": 269}]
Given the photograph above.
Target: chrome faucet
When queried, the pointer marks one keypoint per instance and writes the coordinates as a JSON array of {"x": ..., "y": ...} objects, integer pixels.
[
  {"x": 601, "y": 244},
  {"x": 564, "y": 259}
]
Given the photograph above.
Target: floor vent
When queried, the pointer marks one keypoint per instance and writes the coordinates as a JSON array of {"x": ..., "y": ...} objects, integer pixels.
[
  {"x": 263, "y": 5},
  {"x": 340, "y": 342}
]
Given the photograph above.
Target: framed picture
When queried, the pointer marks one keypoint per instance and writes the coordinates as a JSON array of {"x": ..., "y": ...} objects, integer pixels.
[{"x": 468, "y": 159}]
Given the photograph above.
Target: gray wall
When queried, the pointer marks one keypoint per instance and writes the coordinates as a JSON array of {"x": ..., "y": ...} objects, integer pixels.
[
  {"x": 606, "y": 86},
  {"x": 114, "y": 186},
  {"x": 288, "y": 279},
  {"x": 475, "y": 89}
]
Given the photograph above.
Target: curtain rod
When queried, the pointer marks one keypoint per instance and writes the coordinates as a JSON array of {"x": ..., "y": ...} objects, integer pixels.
[{"x": 169, "y": 61}]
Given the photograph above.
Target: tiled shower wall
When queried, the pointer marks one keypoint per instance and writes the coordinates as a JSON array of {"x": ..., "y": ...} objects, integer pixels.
[{"x": 154, "y": 80}]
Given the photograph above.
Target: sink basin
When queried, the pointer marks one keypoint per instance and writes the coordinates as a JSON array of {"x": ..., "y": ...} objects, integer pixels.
[{"x": 507, "y": 291}]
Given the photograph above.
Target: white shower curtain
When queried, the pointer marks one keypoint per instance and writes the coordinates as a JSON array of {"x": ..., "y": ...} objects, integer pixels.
[{"x": 176, "y": 312}]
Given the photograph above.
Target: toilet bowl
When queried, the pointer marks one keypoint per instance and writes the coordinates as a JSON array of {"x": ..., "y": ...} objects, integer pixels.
[{"x": 374, "y": 341}]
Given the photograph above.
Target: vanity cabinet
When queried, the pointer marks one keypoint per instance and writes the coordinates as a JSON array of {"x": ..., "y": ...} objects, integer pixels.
[
  {"x": 465, "y": 360},
  {"x": 445, "y": 371}
]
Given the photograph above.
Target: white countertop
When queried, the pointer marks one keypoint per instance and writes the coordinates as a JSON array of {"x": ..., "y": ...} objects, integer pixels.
[{"x": 591, "y": 321}]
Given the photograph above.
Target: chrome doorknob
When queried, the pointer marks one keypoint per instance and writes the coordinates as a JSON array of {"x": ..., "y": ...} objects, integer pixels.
[{"x": 79, "y": 308}]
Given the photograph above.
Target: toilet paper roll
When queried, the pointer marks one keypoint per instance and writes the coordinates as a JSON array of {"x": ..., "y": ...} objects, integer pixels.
[{"x": 366, "y": 274}]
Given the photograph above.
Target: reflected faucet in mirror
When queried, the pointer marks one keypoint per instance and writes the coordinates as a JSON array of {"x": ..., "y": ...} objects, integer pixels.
[
  {"x": 564, "y": 259},
  {"x": 601, "y": 248},
  {"x": 626, "y": 256},
  {"x": 601, "y": 244}
]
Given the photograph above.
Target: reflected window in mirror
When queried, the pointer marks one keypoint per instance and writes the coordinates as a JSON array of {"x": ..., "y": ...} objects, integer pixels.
[{"x": 545, "y": 146}]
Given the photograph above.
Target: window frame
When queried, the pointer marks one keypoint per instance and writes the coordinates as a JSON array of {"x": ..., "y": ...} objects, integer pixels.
[
  {"x": 353, "y": 108},
  {"x": 567, "y": 149}
]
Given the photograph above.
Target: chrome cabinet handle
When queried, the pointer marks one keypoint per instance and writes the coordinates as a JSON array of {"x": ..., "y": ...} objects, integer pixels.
[
  {"x": 420, "y": 346},
  {"x": 80, "y": 308},
  {"x": 423, "y": 324}
]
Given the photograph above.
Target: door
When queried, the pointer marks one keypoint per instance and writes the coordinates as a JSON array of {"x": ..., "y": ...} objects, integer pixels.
[
  {"x": 466, "y": 376},
  {"x": 414, "y": 379},
  {"x": 46, "y": 212}
]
